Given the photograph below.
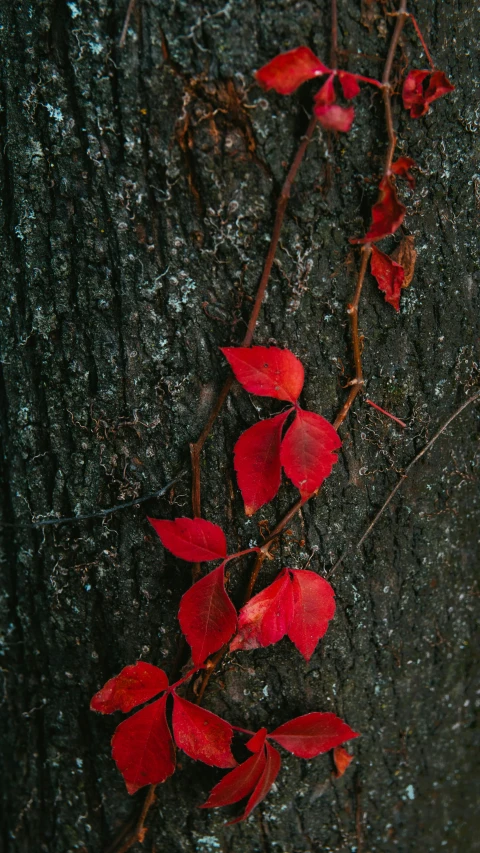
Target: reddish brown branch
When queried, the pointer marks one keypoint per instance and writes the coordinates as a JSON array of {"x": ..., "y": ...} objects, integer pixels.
[{"x": 128, "y": 15}]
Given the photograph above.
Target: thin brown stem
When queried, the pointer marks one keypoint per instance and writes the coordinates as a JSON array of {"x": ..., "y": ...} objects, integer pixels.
[
  {"x": 422, "y": 41},
  {"x": 403, "y": 477},
  {"x": 128, "y": 15},
  {"x": 137, "y": 835},
  {"x": 358, "y": 381},
  {"x": 402, "y": 16},
  {"x": 334, "y": 35}
]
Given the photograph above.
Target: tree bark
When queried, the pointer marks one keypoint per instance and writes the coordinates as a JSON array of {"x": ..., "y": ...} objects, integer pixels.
[{"x": 138, "y": 192}]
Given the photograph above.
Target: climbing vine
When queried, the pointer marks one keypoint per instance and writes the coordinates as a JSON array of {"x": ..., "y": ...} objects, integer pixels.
[{"x": 299, "y": 603}]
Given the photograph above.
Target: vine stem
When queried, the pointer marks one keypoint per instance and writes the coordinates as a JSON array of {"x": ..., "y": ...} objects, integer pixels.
[{"x": 196, "y": 447}]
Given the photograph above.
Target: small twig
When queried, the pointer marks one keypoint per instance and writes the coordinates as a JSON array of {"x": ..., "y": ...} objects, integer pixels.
[
  {"x": 402, "y": 16},
  {"x": 102, "y": 513},
  {"x": 422, "y": 41},
  {"x": 402, "y": 479},
  {"x": 123, "y": 37},
  {"x": 139, "y": 831},
  {"x": 384, "y": 412},
  {"x": 334, "y": 35}
]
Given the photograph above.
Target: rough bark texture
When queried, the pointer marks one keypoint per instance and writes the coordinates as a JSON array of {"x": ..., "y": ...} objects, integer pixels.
[{"x": 137, "y": 201}]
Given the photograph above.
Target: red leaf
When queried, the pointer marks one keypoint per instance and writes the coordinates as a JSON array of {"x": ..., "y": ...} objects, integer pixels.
[
  {"x": 389, "y": 275},
  {"x": 238, "y": 783},
  {"x": 201, "y": 734},
  {"x": 387, "y": 214},
  {"x": 402, "y": 167},
  {"x": 142, "y": 747},
  {"x": 257, "y": 462},
  {"x": 265, "y": 618},
  {"x": 307, "y": 451},
  {"x": 270, "y": 773},
  {"x": 255, "y": 744},
  {"x": 207, "y": 616},
  {"x": 349, "y": 84},
  {"x": 418, "y": 92},
  {"x": 334, "y": 117},
  {"x": 267, "y": 371},
  {"x": 312, "y": 734},
  {"x": 192, "y": 539},
  {"x": 313, "y": 607},
  {"x": 342, "y": 760},
  {"x": 134, "y": 685},
  {"x": 289, "y": 70},
  {"x": 326, "y": 95}
]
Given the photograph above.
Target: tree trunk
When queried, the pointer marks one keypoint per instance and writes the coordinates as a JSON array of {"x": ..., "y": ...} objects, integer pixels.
[{"x": 138, "y": 193}]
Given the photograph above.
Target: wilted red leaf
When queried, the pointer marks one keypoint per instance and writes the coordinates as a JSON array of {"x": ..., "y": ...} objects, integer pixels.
[
  {"x": 349, "y": 84},
  {"x": 312, "y": 734},
  {"x": 255, "y": 744},
  {"x": 238, "y": 783},
  {"x": 313, "y": 607},
  {"x": 267, "y": 371},
  {"x": 387, "y": 214},
  {"x": 201, "y": 734},
  {"x": 389, "y": 276},
  {"x": 192, "y": 539},
  {"x": 342, "y": 760},
  {"x": 265, "y": 618},
  {"x": 419, "y": 92},
  {"x": 307, "y": 451},
  {"x": 402, "y": 167},
  {"x": 207, "y": 616},
  {"x": 289, "y": 70},
  {"x": 270, "y": 773},
  {"x": 406, "y": 255},
  {"x": 334, "y": 117},
  {"x": 142, "y": 747},
  {"x": 257, "y": 462},
  {"x": 134, "y": 685}
]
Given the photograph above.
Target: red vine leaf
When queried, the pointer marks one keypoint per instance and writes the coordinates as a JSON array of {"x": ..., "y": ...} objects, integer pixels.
[
  {"x": 390, "y": 276},
  {"x": 402, "y": 167},
  {"x": 265, "y": 618},
  {"x": 387, "y": 214},
  {"x": 313, "y": 607},
  {"x": 334, "y": 117},
  {"x": 142, "y": 747},
  {"x": 349, "y": 84},
  {"x": 341, "y": 760},
  {"x": 134, "y": 685},
  {"x": 267, "y": 371},
  {"x": 207, "y": 616},
  {"x": 419, "y": 92},
  {"x": 238, "y": 783},
  {"x": 307, "y": 451},
  {"x": 202, "y": 735},
  {"x": 312, "y": 734},
  {"x": 192, "y": 539},
  {"x": 255, "y": 744},
  {"x": 270, "y": 773},
  {"x": 326, "y": 95},
  {"x": 257, "y": 462},
  {"x": 289, "y": 70}
]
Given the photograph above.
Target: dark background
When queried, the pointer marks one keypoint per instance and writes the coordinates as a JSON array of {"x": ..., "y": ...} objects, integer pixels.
[{"x": 137, "y": 203}]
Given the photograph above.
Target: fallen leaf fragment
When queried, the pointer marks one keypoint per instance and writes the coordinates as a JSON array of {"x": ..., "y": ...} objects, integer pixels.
[
  {"x": 191, "y": 539},
  {"x": 402, "y": 168},
  {"x": 134, "y": 685},
  {"x": 286, "y": 72},
  {"x": 406, "y": 255},
  {"x": 342, "y": 760}
]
